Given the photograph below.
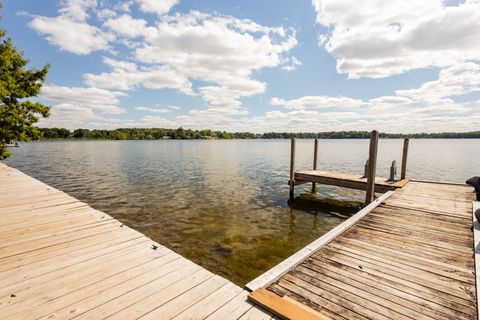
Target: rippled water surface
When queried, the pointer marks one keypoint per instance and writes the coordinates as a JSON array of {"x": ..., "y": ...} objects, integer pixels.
[{"x": 223, "y": 204}]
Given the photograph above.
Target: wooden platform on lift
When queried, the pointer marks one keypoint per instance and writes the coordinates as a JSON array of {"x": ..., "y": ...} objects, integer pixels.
[{"x": 346, "y": 180}]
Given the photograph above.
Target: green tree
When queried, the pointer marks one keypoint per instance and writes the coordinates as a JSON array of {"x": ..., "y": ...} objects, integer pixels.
[
  {"x": 81, "y": 133},
  {"x": 17, "y": 84}
]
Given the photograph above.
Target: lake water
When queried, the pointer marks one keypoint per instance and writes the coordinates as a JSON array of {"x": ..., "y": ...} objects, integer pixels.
[{"x": 224, "y": 204}]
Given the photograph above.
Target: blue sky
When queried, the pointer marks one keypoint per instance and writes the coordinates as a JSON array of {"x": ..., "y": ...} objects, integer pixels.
[{"x": 396, "y": 66}]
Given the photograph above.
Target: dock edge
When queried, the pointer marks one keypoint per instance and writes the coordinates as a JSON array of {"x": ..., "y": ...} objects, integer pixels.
[
  {"x": 291, "y": 262},
  {"x": 476, "y": 248}
]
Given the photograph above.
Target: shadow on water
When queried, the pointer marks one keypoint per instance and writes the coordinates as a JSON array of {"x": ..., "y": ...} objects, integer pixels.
[{"x": 310, "y": 203}]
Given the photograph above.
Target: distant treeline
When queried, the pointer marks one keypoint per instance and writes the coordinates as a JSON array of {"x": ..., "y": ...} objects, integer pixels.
[{"x": 185, "y": 134}]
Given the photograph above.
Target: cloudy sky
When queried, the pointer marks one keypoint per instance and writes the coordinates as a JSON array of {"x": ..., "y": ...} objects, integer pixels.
[{"x": 249, "y": 65}]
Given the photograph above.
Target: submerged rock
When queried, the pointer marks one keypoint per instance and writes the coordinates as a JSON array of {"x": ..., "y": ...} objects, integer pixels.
[{"x": 222, "y": 250}]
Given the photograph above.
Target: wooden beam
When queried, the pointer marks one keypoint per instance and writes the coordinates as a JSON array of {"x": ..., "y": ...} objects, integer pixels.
[
  {"x": 404, "y": 158},
  {"x": 441, "y": 182},
  {"x": 356, "y": 182},
  {"x": 292, "y": 168},
  {"x": 291, "y": 262},
  {"x": 315, "y": 155},
  {"x": 284, "y": 307},
  {"x": 372, "y": 167}
]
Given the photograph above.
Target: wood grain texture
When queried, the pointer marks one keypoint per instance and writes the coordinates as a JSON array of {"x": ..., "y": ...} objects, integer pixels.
[
  {"x": 285, "y": 308},
  {"x": 297, "y": 258},
  {"x": 61, "y": 259},
  {"x": 346, "y": 180},
  {"x": 414, "y": 256},
  {"x": 403, "y": 173}
]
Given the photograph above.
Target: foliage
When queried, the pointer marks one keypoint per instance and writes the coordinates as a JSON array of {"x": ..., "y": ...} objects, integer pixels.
[
  {"x": 17, "y": 83},
  {"x": 143, "y": 134},
  {"x": 184, "y": 134}
]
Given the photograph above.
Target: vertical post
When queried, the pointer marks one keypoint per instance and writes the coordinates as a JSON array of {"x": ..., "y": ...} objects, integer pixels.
[
  {"x": 292, "y": 168},
  {"x": 372, "y": 166},
  {"x": 404, "y": 159},
  {"x": 315, "y": 155}
]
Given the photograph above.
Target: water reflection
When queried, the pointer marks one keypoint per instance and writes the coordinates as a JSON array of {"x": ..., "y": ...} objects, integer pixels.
[{"x": 224, "y": 204}]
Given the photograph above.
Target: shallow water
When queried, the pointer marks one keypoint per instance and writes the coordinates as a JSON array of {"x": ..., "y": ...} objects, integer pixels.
[{"x": 223, "y": 204}]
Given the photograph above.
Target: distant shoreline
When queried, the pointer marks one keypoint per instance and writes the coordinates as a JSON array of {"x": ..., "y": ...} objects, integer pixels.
[{"x": 188, "y": 134}]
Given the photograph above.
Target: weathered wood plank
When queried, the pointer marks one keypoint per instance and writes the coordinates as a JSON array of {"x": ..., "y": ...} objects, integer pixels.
[
  {"x": 387, "y": 292},
  {"x": 288, "y": 264},
  {"x": 61, "y": 259},
  {"x": 346, "y": 180},
  {"x": 235, "y": 308},
  {"x": 283, "y": 308},
  {"x": 73, "y": 304},
  {"x": 476, "y": 246},
  {"x": 410, "y": 257},
  {"x": 186, "y": 300},
  {"x": 213, "y": 302}
]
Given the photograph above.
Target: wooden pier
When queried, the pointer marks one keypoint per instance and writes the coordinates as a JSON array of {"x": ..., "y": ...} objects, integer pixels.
[
  {"x": 61, "y": 259},
  {"x": 410, "y": 254},
  {"x": 346, "y": 180},
  {"x": 368, "y": 182}
]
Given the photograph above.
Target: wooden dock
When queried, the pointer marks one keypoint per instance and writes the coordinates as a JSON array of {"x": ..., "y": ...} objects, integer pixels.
[
  {"x": 408, "y": 255},
  {"x": 346, "y": 180},
  {"x": 368, "y": 182},
  {"x": 61, "y": 259}
]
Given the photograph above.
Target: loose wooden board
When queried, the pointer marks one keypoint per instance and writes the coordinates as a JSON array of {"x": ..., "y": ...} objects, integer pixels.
[{"x": 285, "y": 308}]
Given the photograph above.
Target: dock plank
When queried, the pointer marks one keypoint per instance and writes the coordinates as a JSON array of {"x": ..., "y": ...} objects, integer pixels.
[
  {"x": 409, "y": 257},
  {"x": 347, "y": 180},
  {"x": 61, "y": 259}
]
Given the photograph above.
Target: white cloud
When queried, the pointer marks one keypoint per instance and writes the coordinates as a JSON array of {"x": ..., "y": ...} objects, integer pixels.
[
  {"x": 65, "y": 115},
  {"x": 103, "y": 14},
  {"x": 430, "y": 107},
  {"x": 222, "y": 53},
  {"x": 94, "y": 99},
  {"x": 77, "y": 9},
  {"x": 159, "y": 7},
  {"x": 382, "y": 38},
  {"x": 317, "y": 102},
  {"x": 155, "y": 109},
  {"x": 198, "y": 42},
  {"x": 457, "y": 80},
  {"x": 69, "y": 35},
  {"x": 390, "y": 101},
  {"x": 123, "y": 6},
  {"x": 79, "y": 107},
  {"x": 120, "y": 65},
  {"x": 127, "y": 26},
  {"x": 219, "y": 58},
  {"x": 70, "y": 31},
  {"x": 217, "y": 49},
  {"x": 292, "y": 63},
  {"x": 125, "y": 77}
]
